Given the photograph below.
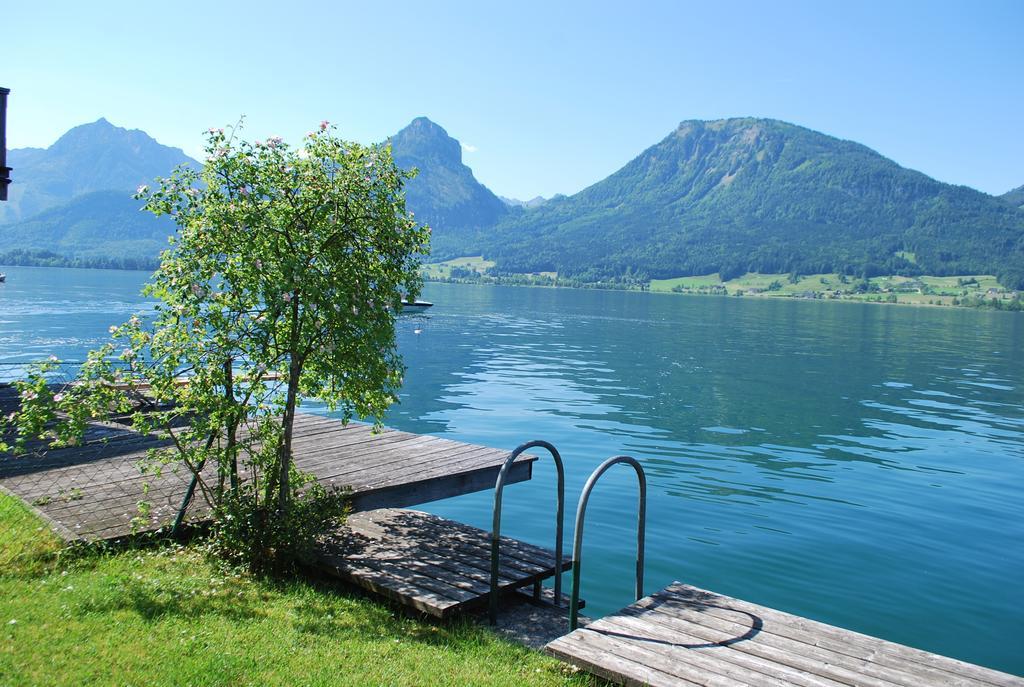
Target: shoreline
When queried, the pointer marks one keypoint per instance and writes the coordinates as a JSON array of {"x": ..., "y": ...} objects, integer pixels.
[
  {"x": 978, "y": 302},
  {"x": 981, "y": 304}
]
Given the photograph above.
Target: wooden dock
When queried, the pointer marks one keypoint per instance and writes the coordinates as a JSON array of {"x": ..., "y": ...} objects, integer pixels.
[
  {"x": 91, "y": 492},
  {"x": 688, "y": 636},
  {"x": 434, "y": 565}
]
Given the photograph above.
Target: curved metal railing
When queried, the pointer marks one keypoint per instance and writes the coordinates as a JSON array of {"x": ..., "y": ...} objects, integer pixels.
[
  {"x": 577, "y": 545},
  {"x": 499, "y": 486}
]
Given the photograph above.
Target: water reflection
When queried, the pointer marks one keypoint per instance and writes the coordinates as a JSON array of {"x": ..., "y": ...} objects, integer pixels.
[{"x": 787, "y": 444}]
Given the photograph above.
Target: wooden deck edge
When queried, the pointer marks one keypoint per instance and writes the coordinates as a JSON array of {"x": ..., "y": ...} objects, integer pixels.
[
  {"x": 60, "y": 530},
  {"x": 611, "y": 675},
  {"x": 911, "y": 666},
  {"x": 477, "y": 480},
  {"x": 380, "y": 590}
]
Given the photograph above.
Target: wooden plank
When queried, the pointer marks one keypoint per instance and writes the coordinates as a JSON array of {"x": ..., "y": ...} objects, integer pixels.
[
  {"x": 437, "y": 461},
  {"x": 412, "y": 493},
  {"x": 752, "y": 652},
  {"x": 420, "y": 560},
  {"x": 698, "y": 636},
  {"x": 786, "y": 651},
  {"x": 523, "y": 559},
  {"x": 805, "y": 657},
  {"x": 686, "y": 646},
  {"x": 604, "y": 657},
  {"x": 384, "y": 469},
  {"x": 469, "y": 558},
  {"x": 396, "y": 522},
  {"x": 379, "y": 462},
  {"x": 474, "y": 549},
  {"x": 857, "y": 644}
]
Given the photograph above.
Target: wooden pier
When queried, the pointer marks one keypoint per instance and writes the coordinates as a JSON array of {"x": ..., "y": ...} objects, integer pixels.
[
  {"x": 437, "y": 566},
  {"x": 91, "y": 491},
  {"x": 688, "y": 636}
]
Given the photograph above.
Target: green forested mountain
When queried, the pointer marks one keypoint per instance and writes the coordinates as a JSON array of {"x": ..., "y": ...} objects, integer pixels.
[
  {"x": 102, "y": 224},
  {"x": 727, "y": 196},
  {"x": 444, "y": 194},
  {"x": 741, "y": 195},
  {"x": 91, "y": 157},
  {"x": 1015, "y": 197},
  {"x": 73, "y": 199}
]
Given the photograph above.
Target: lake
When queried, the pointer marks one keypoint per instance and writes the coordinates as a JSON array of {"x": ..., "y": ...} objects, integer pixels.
[{"x": 858, "y": 464}]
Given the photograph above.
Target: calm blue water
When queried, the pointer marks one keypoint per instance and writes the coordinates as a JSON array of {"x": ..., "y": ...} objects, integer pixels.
[{"x": 858, "y": 464}]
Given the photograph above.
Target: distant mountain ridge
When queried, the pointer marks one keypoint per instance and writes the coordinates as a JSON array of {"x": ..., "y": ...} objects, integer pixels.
[
  {"x": 108, "y": 226},
  {"x": 444, "y": 194},
  {"x": 534, "y": 202},
  {"x": 1015, "y": 197},
  {"x": 725, "y": 196},
  {"x": 92, "y": 157},
  {"x": 745, "y": 194}
]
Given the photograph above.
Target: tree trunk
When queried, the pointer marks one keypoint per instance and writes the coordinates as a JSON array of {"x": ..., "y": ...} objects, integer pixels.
[
  {"x": 294, "y": 371},
  {"x": 232, "y": 429}
]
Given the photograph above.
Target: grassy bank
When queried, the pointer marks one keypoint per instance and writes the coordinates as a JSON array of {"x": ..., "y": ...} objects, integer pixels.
[
  {"x": 167, "y": 616},
  {"x": 973, "y": 291},
  {"x": 969, "y": 290}
]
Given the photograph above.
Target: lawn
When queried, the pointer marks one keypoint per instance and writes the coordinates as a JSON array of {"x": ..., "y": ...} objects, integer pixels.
[
  {"x": 443, "y": 270},
  {"x": 942, "y": 289},
  {"x": 167, "y": 615}
]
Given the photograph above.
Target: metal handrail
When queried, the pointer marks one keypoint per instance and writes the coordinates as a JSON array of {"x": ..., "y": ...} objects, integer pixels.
[
  {"x": 499, "y": 485},
  {"x": 577, "y": 545}
]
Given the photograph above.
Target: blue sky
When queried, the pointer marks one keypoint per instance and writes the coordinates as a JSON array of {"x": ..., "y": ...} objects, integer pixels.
[{"x": 549, "y": 97}]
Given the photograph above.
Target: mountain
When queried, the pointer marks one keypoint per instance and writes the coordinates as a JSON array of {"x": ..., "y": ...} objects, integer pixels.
[
  {"x": 534, "y": 202},
  {"x": 88, "y": 158},
  {"x": 740, "y": 195},
  {"x": 102, "y": 225},
  {"x": 444, "y": 194},
  {"x": 726, "y": 196},
  {"x": 1015, "y": 197}
]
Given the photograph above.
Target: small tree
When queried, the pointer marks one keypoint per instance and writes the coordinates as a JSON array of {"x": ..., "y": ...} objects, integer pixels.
[{"x": 283, "y": 281}]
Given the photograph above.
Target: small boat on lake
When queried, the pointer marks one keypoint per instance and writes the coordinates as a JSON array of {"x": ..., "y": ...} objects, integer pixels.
[
  {"x": 3, "y": 277},
  {"x": 415, "y": 306}
]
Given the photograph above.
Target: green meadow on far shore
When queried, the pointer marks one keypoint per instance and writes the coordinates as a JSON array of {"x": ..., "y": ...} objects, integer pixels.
[
  {"x": 967, "y": 290},
  {"x": 977, "y": 290},
  {"x": 168, "y": 615}
]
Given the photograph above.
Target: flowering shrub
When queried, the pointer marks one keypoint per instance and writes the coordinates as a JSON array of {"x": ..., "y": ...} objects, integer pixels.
[{"x": 281, "y": 282}]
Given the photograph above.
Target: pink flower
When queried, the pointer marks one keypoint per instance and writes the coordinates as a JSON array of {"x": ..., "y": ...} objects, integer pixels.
[
  {"x": 324, "y": 124},
  {"x": 58, "y": 397},
  {"x": 286, "y": 297}
]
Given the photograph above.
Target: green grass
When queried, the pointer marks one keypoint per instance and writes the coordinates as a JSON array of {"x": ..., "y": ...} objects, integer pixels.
[
  {"x": 666, "y": 285},
  {"x": 168, "y": 616},
  {"x": 941, "y": 290},
  {"x": 443, "y": 270}
]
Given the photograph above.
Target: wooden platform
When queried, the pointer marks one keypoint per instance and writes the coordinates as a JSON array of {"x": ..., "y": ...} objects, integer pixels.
[
  {"x": 434, "y": 565},
  {"x": 90, "y": 492},
  {"x": 687, "y": 636}
]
